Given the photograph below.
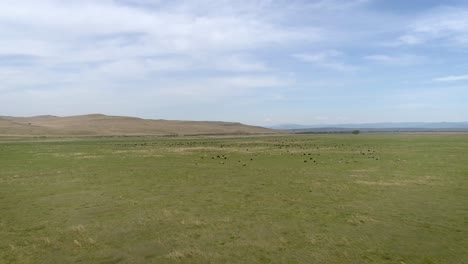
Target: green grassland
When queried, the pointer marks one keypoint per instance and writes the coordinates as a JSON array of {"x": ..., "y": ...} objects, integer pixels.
[{"x": 381, "y": 198}]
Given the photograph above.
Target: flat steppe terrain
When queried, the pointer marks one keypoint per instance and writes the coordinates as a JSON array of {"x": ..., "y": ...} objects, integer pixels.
[{"x": 368, "y": 198}]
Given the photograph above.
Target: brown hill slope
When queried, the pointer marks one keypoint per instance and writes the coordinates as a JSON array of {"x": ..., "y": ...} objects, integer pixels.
[
  {"x": 10, "y": 127},
  {"x": 98, "y": 124}
]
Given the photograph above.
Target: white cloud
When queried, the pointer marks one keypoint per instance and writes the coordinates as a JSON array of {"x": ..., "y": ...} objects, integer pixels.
[
  {"x": 336, "y": 4},
  {"x": 452, "y": 78},
  {"x": 219, "y": 88},
  {"x": 112, "y": 46},
  {"x": 237, "y": 63},
  {"x": 413, "y": 106},
  {"x": 102, "y": 30},
  {"x": 330, "y": 59},
  {"x": 401, "y": 59},
  {"x": 318, "y": 57},
  {"x": 447, "y": 24},
  {"x": 410, "y": 39}
]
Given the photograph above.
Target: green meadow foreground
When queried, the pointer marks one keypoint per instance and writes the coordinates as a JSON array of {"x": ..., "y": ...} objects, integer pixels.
[{"x": 383, "y": 198}]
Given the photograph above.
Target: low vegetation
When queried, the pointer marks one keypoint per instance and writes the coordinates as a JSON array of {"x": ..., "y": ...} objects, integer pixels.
[
  {"x": 394, "y": 198},
  {"x": 103, "y": 125}
]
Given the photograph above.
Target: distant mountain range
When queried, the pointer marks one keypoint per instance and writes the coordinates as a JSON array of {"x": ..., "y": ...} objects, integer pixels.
[{"x": 379, "y": 127}]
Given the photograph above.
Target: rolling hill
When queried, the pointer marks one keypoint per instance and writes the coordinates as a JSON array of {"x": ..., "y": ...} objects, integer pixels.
[{"x": 98, "y": 124}]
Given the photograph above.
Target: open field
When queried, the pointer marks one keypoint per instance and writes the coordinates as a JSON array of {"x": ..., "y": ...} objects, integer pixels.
[{"x": 381, "y": 198}]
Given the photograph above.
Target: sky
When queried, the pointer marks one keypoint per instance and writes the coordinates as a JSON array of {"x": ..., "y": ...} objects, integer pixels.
[{"x": 260, "y": 62}]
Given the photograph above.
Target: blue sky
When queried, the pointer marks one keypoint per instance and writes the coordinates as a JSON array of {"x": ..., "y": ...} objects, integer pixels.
[{"x": 259, "y": 62}]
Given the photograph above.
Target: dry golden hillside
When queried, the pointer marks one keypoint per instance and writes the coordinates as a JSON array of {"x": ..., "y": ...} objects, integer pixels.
[{"x": 97, "y": 124}]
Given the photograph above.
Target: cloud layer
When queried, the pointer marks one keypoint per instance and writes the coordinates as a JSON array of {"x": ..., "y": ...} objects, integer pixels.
[{"x": 259, "y": 60}]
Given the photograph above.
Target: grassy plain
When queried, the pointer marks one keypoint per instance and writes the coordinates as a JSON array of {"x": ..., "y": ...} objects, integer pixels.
[{"x": 380, "y": 198}]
